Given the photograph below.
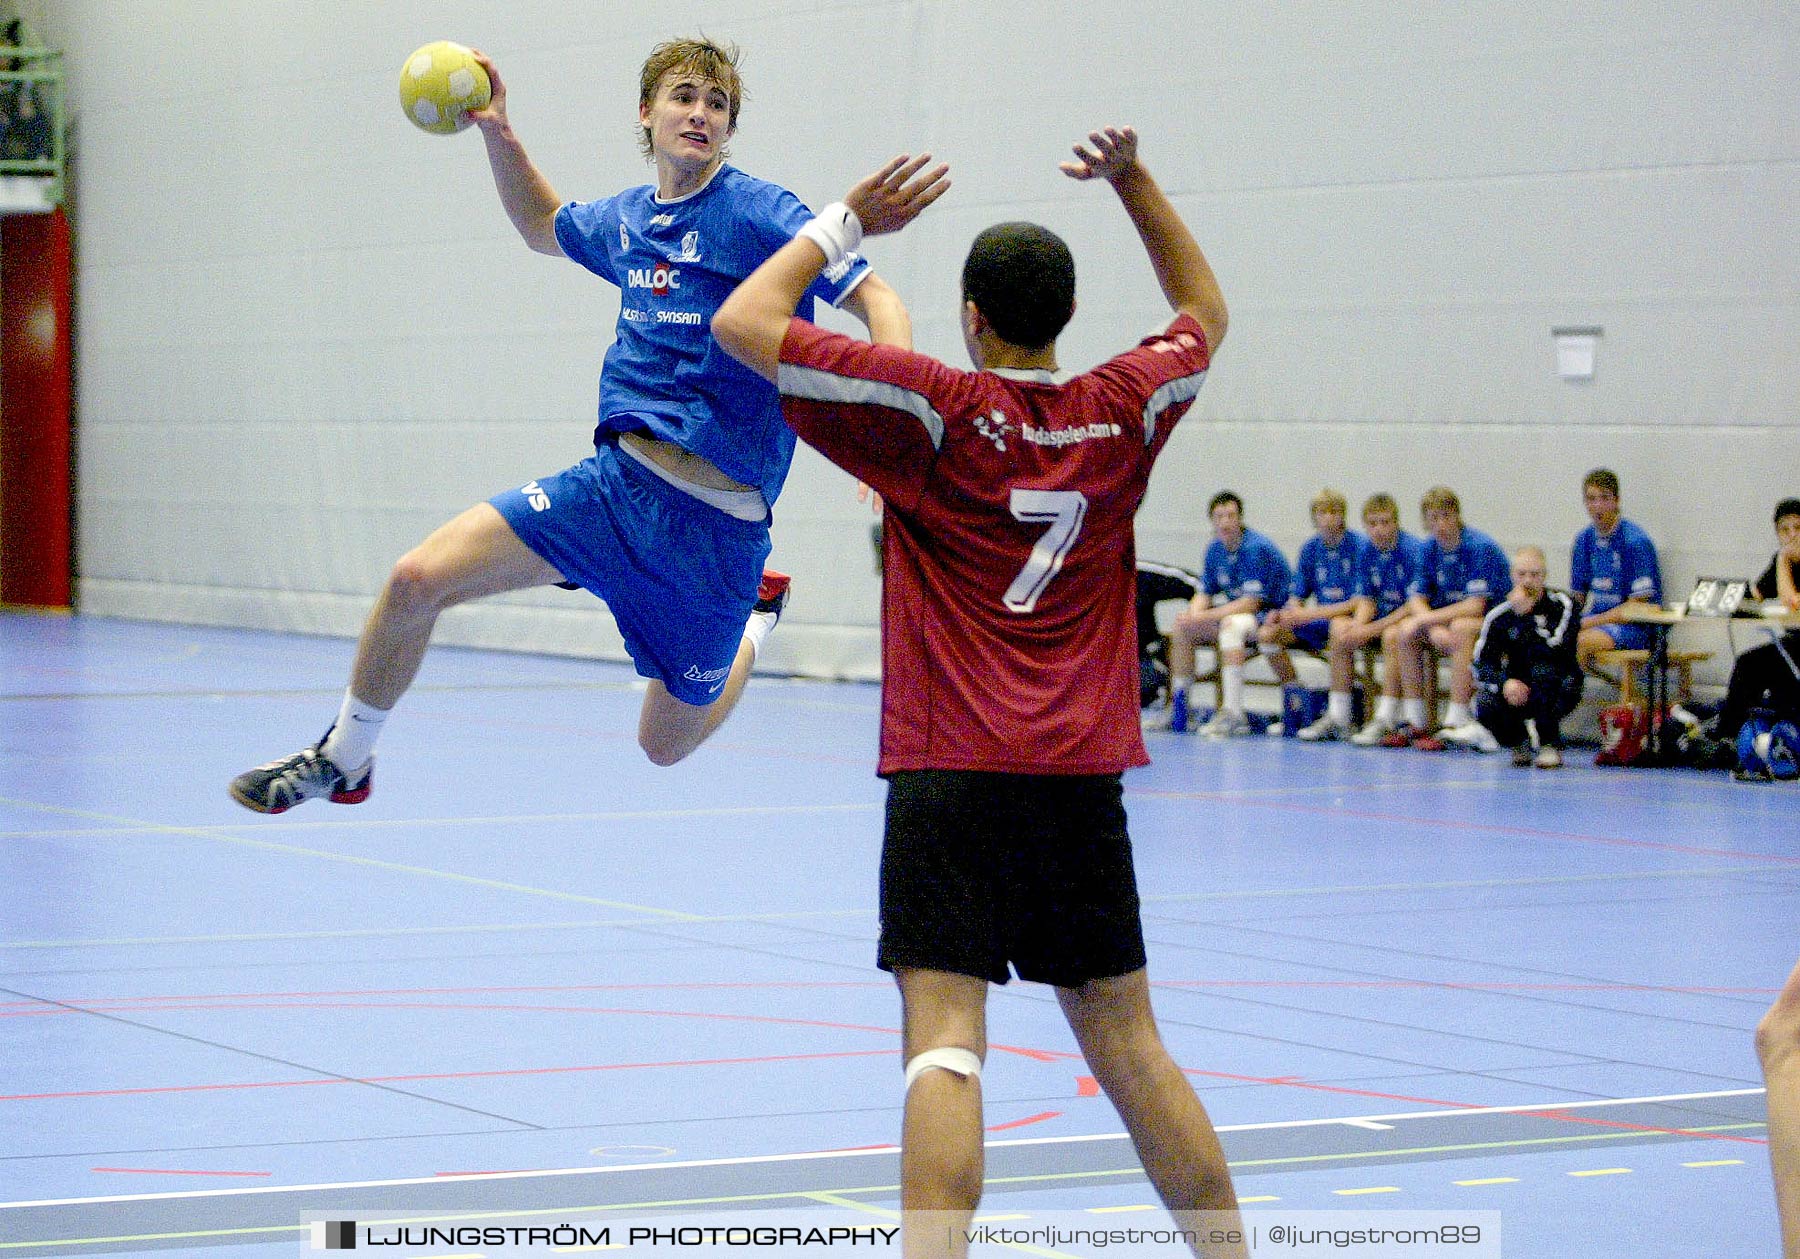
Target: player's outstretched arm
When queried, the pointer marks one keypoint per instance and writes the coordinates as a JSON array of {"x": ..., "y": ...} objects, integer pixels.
[
  {"x": 753, "y": 321},
  {"x": 882, "y": 312},
  {"x": 1182, "y": 270},
  {"x": 531, "y": 203}
]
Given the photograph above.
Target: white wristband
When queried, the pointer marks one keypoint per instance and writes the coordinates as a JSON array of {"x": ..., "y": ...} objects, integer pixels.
[{"x": 836, "y": 231}]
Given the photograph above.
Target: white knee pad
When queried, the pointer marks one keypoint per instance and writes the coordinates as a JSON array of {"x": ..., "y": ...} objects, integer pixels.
[
  {"x": 951, "y": 1058},
  {"x": 1236, "y": 629}
]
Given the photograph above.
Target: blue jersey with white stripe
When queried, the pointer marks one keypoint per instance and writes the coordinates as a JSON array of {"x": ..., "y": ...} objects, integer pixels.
[
  {"x": 1256, "y": 569},
  {"x": 675, "y": 262},
  {"x": 1392, "y": 577},
  {"x": 1330, "y": 574},
  {"x": 1615, "y": 568},
  {"x": 1476, "y": 569}
]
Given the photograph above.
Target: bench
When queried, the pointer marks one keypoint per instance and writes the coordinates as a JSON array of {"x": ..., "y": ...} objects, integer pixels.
[
  {"x": 1363, "y": 669},
  {"x": 1629, "y": 660}
]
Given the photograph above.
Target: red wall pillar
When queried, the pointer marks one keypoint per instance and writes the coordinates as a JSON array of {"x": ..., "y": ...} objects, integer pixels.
[{"x": 36, "y": 470}]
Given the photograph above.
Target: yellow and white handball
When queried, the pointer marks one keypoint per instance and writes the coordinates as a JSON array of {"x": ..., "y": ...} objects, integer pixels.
[{"x": 440, "y": 84}]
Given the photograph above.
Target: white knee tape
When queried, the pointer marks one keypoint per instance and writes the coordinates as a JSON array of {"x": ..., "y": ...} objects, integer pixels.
[
  {"x": 951, "y": 1058},
  {"x": 1235, "y": 630}
]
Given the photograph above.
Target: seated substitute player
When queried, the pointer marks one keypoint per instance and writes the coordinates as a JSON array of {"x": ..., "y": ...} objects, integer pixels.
[
  {"x": 1329, "y": 574},
  {"x": 1158, "y": 584},
  {"x": 1242, "y": 574},
  {"x": 1613, "y": 565},
  {"x": 1768, "y": 677},
  {"x": 1465, "y": 571},
  {"x": 1391, "y": 574},
  {"x": 668, "y": 521},
  {"x": 1008, "y": 708},
  {"x": 1526, "y": 675}
]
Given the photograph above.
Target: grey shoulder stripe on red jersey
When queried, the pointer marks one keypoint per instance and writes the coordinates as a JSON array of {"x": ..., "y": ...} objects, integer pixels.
[
  {"x": 1182, "y": 390},
  {"x": 814, "y": 385}
]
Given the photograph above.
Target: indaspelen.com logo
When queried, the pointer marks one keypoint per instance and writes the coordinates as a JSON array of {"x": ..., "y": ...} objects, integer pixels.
[{"x": 334, "y": 1235}]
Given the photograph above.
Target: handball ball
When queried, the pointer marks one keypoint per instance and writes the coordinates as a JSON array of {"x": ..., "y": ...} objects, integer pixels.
[{"x": 440, "y": 84}]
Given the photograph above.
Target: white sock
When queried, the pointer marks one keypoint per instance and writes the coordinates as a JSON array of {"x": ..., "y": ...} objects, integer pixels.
[
  {"x": 1387, "y": 708},
  {"x": 1457, "y": 715},
  {"x": 1231, "y": 683},
  {"x": 1412, "y": 711},
  {"x": 352, "y": 739},
  {"x": 1337, "y": 707},
  {"x": 756, "y": 629}
]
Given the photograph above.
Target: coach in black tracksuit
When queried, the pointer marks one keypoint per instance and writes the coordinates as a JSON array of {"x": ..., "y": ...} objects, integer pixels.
[{"x": 1525, "y": 666}]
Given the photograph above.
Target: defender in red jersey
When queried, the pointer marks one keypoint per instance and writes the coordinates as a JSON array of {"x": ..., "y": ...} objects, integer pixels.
[{"x": 1009, "y": 700}]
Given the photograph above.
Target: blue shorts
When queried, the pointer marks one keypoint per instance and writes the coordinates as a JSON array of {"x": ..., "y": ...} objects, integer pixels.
[
  {"x": 1313, "y": 636},
  {"x": 1628, "y": 637},
  {"x": 679, "y": 576}
]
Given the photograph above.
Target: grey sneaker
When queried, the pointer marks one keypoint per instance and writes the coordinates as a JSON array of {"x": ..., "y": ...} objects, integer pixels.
[
  {"x": 1548, "y": 758},
  {"x": 1471, "y": 735},
  {"x": 1322, "y": 730},
  {"x": 1373, "y": 732},
  {"x": 1157, "y": 718},
  {"x": 1226, "y": 724},
  {"x": 306, "y": 775}
]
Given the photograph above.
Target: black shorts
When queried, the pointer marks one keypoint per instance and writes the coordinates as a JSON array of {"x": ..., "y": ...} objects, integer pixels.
[{"x": 980, "y": 870}]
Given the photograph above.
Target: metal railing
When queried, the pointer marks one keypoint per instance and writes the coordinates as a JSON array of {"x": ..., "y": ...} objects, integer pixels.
[{"x": 32, "y": 116}]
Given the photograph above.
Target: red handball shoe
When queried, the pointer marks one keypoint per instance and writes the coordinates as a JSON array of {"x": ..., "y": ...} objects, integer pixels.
[{"x": 772, "y": 594}]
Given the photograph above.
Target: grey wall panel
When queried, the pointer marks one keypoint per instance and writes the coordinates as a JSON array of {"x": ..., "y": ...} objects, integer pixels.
[{"x": 307, "y": 334}]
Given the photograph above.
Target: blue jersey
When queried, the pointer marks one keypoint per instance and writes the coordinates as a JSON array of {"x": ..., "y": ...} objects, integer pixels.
[
  {"x": 675, "y": 262},
  {"x": 1257, "y": 569},
  {"x": 1613, "y": 569},
  {"x": 1476, "y": 569},
  {"x": 1330, "y": 574},
  {"x": 1390, "y": 578}
]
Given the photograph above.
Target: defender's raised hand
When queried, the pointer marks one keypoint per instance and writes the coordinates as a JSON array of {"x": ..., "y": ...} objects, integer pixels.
[
  {"x": 897, "y": 194},
  {"x": 1113, "y": 153}
]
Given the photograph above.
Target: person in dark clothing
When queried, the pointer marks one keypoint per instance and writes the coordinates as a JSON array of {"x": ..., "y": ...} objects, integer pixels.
[
  {"x": 1768, "y": 677},
  {"x": 1157, "y": 583},
  {"x": 1526, "y": 676}
]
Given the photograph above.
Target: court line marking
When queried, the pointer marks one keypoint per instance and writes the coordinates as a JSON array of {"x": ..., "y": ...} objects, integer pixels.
[
  {"x": 267, "y": 845},
  {"x": 422, "y": 1077},
  {"x": 1464, "y": 824},
  {"x": 171, "y": 1171},
  {"x": 83, "y": 1004},
  {"x": 815, "y": 1194},
  {"x": 816, "y": 1155},
  {"x": 1458, "y": 885},
  {"x": 474, "y": 928},
  {"x": 131, "y": 827},
  {"x": 795, "y": 915}
]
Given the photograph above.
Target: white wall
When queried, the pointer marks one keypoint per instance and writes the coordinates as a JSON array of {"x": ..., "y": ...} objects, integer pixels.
[{"x": 306, "y": 333}]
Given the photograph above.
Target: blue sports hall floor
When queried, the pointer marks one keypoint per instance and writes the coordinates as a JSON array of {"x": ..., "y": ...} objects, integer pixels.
[{"x": 534, "y": 974}]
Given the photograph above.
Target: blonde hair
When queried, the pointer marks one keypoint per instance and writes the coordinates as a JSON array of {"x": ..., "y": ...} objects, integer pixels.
[
  {"x": 716, "y": 63},
  {"x": 1330, "y": 500},
  {"x": 1381, "y": 501},
  {"x": 1440, "y": 498}
]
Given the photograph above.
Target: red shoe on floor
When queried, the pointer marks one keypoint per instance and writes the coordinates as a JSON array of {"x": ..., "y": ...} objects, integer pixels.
[{"x": 1403, "y": 735}]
